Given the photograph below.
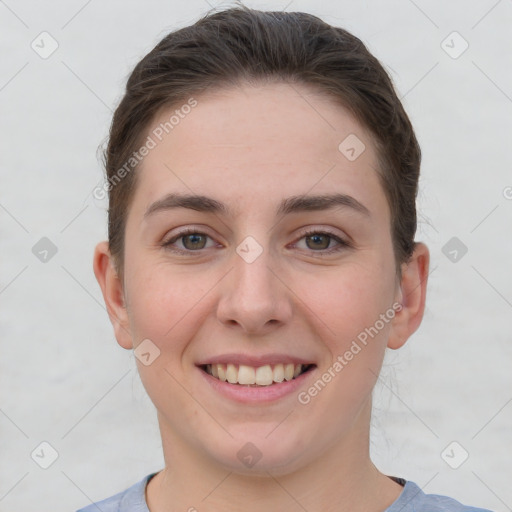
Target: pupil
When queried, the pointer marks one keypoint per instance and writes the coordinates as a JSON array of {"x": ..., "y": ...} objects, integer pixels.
[
  {"x": 316, "y": 238},
  {"x": 194, "y": 238}
]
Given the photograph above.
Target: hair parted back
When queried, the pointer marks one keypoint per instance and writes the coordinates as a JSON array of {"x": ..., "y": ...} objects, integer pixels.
[{"x": 242, "y": 45}]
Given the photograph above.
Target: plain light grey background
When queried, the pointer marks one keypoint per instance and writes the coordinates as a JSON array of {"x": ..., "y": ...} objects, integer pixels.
[{"x": 65, "y": 381}]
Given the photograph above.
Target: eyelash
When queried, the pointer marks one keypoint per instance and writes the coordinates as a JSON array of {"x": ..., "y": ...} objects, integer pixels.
[{"x": 342, "y": 244}]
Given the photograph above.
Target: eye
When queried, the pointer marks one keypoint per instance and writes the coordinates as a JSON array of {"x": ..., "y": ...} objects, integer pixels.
[
  {"x": 320, "y": 241},
  {"x": 191, "y": 240}
]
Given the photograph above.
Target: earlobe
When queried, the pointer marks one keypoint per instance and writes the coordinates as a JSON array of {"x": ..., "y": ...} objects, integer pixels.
[
  {"x": 412, "y": 295},
  {"x": 113, "y": 294}
]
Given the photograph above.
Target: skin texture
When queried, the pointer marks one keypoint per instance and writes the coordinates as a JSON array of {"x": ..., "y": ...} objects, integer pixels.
[{"x": 251, "y": 147}]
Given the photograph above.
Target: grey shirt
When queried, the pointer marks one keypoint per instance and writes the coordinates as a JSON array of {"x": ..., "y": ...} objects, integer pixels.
[{"x": 412, "y": 499}]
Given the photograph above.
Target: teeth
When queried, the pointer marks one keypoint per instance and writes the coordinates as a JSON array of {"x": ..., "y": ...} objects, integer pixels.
[
  {"x": 232, "y": 374},
  {"x": 288, "y": 371},
  {"x": 248, "y": 375},
  {"x": 264, "y": 375},
  {"x": 278, "y": 373},
  {"x": 221, "y": 371}
]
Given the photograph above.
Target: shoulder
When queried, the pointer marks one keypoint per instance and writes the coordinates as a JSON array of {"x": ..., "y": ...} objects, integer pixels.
[
  {"x": 132, "y": 499},
  {"x": 413, "y": 499}
]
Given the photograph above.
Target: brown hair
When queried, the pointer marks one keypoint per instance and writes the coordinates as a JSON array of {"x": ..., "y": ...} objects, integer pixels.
[{"x": 246, "y": 45}]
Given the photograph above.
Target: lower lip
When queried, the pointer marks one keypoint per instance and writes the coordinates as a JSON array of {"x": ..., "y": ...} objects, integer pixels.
[{"x": 256, "y": 394}]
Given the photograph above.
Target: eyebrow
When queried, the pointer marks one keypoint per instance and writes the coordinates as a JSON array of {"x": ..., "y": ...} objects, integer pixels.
[{"x": 293, "y": 204}]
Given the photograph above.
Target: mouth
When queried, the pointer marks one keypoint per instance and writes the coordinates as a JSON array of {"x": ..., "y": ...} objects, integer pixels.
[{"x": 260, "y": 376}]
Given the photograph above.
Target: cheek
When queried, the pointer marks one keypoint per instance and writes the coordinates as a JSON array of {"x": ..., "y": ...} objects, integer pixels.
[
  {"x": 350, "y": 304},
  {"x": 166, "y": 307},
  {"x": 347, "y": 300},
  {"x": 163, "y": 302},
  {"x": 347, "y": 316}
]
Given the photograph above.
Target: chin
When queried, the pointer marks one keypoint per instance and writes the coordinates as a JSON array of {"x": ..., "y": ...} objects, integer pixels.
[{"x": 254, "y": 453}]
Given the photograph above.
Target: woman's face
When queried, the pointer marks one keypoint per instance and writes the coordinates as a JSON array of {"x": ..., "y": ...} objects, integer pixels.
[{"x": 249, "y": 172}]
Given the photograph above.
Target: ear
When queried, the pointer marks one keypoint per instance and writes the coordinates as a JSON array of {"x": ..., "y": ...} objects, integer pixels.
[
  {"x": 411, "y": 294},
  {"x": 112, "y": 289}
]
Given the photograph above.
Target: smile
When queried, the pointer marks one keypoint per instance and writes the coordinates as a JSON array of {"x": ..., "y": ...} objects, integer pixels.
[{"x": 265, "y": 375}]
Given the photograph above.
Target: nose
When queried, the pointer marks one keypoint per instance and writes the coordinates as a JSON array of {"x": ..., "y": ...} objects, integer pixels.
[{"x": 253, "y": 296}]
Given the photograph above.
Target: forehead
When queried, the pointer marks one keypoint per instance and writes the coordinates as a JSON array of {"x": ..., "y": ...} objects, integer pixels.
[{"x": 254, "y": 143}]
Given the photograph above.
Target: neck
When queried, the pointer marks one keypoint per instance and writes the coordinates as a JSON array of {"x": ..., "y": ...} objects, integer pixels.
[{"x": 342, "y": 479}]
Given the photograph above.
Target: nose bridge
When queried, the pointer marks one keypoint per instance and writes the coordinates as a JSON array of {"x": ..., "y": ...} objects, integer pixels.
[
  {"x": 253, "y": 296},
  {"x": 253, "y": 274}
]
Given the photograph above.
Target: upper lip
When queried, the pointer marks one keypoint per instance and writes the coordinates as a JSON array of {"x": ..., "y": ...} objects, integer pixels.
[{"x": 252, "y": 360}]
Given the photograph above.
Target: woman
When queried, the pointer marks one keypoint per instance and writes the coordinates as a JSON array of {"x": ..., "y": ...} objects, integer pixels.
[{"x": 262, "y": 177}]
